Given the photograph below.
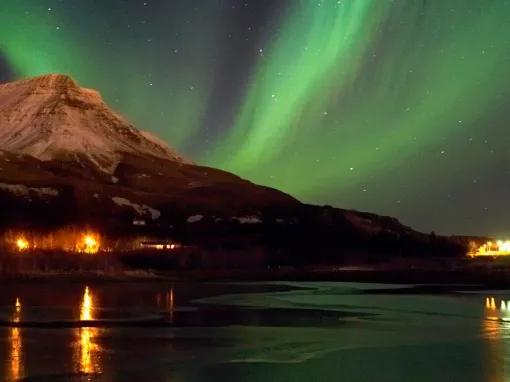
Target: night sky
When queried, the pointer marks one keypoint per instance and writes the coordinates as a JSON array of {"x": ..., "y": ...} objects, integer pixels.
[{"x": 396, "y": 107}]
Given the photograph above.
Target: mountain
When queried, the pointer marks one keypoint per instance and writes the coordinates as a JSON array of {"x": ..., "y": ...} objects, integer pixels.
[
  {"x": 56, "y": 135},
  {"x": 52, "y": 118},
  {"x": 66, "y": 158}
]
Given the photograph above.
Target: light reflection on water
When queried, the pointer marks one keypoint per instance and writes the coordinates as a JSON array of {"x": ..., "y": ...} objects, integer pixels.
[
  {"x": 476, "y": 335},
  {"x": 87, "y": 348},
  {"x": 496, "y": 330},
  {"x": 15, "y": 341},
  {"x": 165, "y": 302}
]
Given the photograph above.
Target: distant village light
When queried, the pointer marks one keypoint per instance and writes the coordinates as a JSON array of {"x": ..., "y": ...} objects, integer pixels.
[
  {"x": 504, "y": 246},
  {"x": 498, "y": 248},
  {"x": 21, "y": 244},
  {"x": 158, "y": 245},
  {"x": 83, "y": 241},
  {"x": 89, "y": 243}
]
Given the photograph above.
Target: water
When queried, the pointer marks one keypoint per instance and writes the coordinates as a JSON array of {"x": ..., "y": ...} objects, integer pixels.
[{"x": 251, "y": 332}]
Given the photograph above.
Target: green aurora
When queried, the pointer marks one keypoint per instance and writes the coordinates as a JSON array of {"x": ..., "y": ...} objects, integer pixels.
[{"x": 393, "y": 106}]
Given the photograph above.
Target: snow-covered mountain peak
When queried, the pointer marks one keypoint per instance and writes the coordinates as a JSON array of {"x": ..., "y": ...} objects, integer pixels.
[
  {"x": 52, "y": 118},
  {"x": 53, "y": 80}
]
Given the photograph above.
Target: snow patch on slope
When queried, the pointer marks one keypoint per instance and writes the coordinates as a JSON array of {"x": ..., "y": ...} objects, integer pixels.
[
  {"x": 141, "y": 209},
  {"x": 248, "y": 219},
  {"x": 194, "y": 218},
  {"x": 29, "y": 192}
]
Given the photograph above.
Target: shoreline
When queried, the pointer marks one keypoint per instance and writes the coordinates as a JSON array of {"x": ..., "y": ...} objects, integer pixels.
[{"x": 488, "y": 277}]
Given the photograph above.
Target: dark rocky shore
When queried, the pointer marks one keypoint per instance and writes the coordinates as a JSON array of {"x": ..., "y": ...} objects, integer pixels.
[{"x": 468, "y": 273}]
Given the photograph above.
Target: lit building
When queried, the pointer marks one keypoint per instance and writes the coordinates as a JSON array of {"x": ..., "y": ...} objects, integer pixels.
[
  {"x": 160, "y": 245},
  {"x": 492, "y": 248},
  {"x": 22, "y": 243},
  {"x": 88, "y": 243}
]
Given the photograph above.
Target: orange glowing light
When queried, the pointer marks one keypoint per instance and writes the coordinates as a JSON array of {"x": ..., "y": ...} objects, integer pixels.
[
  {"x": 88, "y": 243},
  {"x": 22, "y": 244},
  {"x": 88, "y": 349},
  {"x": 16, "y": 354},
  {"x": 493, "y": 249},
  {"x": 86, "y": 306}
]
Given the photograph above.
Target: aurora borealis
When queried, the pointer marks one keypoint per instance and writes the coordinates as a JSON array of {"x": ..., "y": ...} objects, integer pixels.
[{"x": 398, "y": 107}]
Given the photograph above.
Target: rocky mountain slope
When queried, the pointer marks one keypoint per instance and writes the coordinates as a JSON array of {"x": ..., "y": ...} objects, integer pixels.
[
  {"x": 52, "y": 118},
  {"x": 58, "y": 139}
]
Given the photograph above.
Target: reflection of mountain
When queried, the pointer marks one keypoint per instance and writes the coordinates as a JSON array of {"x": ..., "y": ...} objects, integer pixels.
[{"x": 66, "y": 158}]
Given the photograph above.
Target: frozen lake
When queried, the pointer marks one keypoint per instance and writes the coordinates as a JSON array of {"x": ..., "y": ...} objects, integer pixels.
[{"x": 280, "y": 331}]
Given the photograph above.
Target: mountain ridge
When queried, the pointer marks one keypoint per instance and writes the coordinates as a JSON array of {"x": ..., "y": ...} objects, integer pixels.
[
  {"x": 42, "y": 118},
  {"x": 51, "y": 117},
  {"x": 117, "y": 175}
]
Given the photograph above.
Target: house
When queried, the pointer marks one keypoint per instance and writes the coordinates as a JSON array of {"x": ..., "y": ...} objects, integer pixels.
[{"x": 160, "y": 245}]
